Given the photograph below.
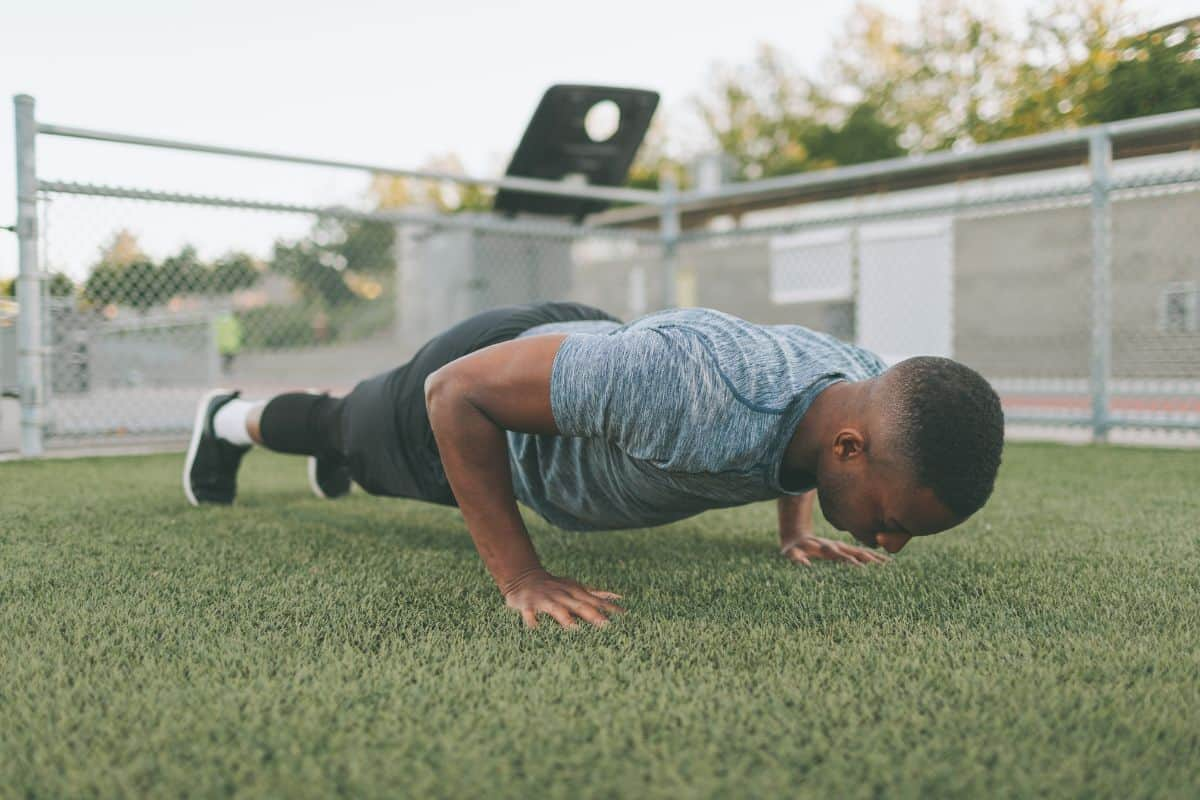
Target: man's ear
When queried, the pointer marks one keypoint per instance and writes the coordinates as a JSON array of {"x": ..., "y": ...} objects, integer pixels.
[{"x": 848, "y": 443}]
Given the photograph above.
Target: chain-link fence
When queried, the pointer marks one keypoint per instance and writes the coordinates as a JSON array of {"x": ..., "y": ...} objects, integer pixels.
[
  {"x": 1001, "y": 274},
  {"x": 1075, "y": 290},
  {"x": 332, "y": 298}
]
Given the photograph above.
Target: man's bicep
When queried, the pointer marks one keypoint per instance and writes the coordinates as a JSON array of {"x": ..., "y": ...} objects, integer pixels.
[{"x": 508, "y": 382}]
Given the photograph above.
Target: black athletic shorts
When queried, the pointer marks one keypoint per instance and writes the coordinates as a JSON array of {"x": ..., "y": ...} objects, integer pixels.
[{"x": 386, "y": 436}]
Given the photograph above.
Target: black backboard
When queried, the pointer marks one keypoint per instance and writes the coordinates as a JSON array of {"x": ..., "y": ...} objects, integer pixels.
[{"x": 556, "y": 144}]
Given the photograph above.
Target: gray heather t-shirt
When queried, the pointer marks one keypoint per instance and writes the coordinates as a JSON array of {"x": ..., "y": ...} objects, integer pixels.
[{"x": 672, "y": 414}]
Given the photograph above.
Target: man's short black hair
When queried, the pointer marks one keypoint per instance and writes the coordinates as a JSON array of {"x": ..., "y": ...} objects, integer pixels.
[{"x": 950, "y": 427}]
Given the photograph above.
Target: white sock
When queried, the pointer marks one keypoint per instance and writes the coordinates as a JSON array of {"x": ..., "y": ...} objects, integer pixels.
[{"x": 230, "y": 422}]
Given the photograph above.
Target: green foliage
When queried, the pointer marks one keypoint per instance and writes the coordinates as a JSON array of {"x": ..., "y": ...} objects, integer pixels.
[
  {"x": 863, "y": 137},
  {"x": 956, "y": 75},
  {"x": 230, "y": 273},
  {"x": 762, "y": 115},
  {"x": 60, "y": 285},
  {"x": 184, "y": 273},
  {"x": 366, "y": 246},
  {"x": 1155, "y": 73},
  {"x": 940, "y": 80},
  {"x": 316, "y": 270},
  {"x": 653, "y": 160},
  {"x": 277, "y": 327},
  {"x": 343, "y": 270},
  {"x": 395, "y": 191},
  {"x": 138, "y": 282},
  {"x": 324, "y": 263},
  {"x": 294, "y": 647}
]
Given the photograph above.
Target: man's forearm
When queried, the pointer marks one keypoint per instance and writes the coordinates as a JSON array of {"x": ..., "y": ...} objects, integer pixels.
[
  {"x": 796, "y": 516},
  {"x": 474, "y": 453}
]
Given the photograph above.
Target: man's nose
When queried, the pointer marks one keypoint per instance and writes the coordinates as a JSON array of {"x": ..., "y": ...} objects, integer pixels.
[{"x": 892, "y": 542}]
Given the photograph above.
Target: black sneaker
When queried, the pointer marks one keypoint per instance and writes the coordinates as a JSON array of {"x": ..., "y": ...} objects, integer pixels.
[
  {"x": 210, "y": 471},
  {"x": 329, "y": 478}
]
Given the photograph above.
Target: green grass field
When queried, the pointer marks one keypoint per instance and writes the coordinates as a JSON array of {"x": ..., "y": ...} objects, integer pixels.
[{"x": 300, "y": 648}]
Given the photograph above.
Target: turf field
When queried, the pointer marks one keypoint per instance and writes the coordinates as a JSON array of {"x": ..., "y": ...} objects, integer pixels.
[{"x": 301, "y": 648}]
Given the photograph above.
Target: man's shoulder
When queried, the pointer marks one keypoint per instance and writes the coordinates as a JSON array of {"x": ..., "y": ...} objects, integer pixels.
[{"x": 733, "y": 338}]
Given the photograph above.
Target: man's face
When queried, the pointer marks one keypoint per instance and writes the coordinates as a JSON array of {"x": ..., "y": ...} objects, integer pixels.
[{"x": 877, "y": 501}]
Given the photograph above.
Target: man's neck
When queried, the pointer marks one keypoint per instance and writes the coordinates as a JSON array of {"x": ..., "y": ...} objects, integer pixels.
[{"x": 830, "y": 411}]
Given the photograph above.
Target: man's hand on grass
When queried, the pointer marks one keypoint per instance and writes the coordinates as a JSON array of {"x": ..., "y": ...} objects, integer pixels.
[
  {"x": 562, "y": 598},
  {"x": 805, "y": 549}
]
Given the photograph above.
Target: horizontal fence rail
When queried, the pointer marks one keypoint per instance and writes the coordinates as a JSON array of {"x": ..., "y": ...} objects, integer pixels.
[{"x": 531, "y": 185}]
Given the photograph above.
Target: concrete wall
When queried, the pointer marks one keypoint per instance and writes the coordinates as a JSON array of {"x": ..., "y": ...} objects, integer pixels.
[
  {"x": 1021, "y": 284},
  {"x": 1022, "y": 287},
  {"x": 1157, "y": 242}
]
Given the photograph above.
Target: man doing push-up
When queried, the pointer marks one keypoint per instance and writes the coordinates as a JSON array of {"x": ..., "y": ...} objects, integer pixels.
[{"x": 597, "y": 424}]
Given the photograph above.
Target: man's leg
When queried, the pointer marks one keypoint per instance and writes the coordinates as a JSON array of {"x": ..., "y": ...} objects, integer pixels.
[
  {"x": 299, "y": 423},
  {"x": 380, "y": 430}
]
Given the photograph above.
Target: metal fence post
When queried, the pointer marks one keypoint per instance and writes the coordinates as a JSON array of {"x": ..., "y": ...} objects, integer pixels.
[
  {"x": 1100, "y": 161},
  {"x": 30, "y": 330},
  {"x": 669, "y": 230}
]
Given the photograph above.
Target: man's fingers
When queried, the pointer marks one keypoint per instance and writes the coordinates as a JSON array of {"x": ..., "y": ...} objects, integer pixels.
[
  {"x": 878, "y": 558},
  {"x": 588, "y": 613},
  {"x": 850, "y": 555},
  {"x": 561, "y": 613},
  {"x": 797, "y": 555},
  {"x": 588, "y": 608},
  {"x": 603, "y": 595},
  {"x": 846, "y": 557},
  {"x": 867, "y": 557},
  {"x": 600, "y": 599},
  {"x": 530, "y": 617}
]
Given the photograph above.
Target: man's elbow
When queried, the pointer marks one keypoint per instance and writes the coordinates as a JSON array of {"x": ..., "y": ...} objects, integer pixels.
[
  {"x": 439, "y": 387},
  {"x": 431, "y": 385}
]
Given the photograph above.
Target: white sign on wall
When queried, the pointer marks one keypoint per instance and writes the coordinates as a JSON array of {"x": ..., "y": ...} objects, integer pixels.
[
  {"x": 812, "y": 267},
  {"x": 905, "y": 289}
]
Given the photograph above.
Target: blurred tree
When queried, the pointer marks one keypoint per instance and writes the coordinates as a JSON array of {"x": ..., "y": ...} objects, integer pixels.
[
  {"x": 959, "y": 76},
  {"x": 231, "y": 272},
  {"x": 60, "y": 285},
  {"x": 652, "y": 160},
  {"x": 184, "y": 272},
  {"x": 774, "y": 122},
  {"x": 137, "y": 284},
  {"x": 124, "y": 275},
  {"x": 398, "y": 191},
  {"x": 316, "y": 269},
  {"x": 947, "y": 79},
  {"x": 1153, "y": 73},
  {"x": 122, "y": 249},
  {"x": 1069, "y": 50},
  {"x": 956, "y": 75},
  {"x": 340, "y": 261},
  {"x": 366, "y": 246},
  {"x": 760, "y": 115},
  {"x": 863, "y": 137}
]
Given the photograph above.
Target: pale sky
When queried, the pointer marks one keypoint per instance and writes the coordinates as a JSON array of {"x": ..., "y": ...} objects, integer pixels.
[{"x": 384, "y": 82}]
